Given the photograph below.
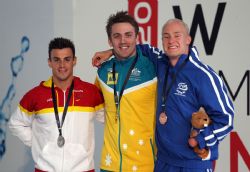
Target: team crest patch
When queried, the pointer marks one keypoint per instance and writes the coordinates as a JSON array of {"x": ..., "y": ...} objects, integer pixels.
[
  {"x": 181, "y": 89},
  {"x": 135, "y": 75},
  {"x": 110, "y": 80}
]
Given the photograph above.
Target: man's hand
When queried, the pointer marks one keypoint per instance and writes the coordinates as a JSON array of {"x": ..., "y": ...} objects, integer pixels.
[
  {"x": 100, "y": 57},
  {"x": 202, "y": 153},
  {"x": 192, "y": 142}
]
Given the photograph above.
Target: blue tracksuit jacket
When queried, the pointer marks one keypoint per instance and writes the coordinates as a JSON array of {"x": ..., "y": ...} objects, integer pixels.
[{"x": 196, "y": 85}]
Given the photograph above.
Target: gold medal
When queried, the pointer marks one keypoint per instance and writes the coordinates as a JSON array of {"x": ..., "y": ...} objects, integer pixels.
[{"x": 163, "y": 118}]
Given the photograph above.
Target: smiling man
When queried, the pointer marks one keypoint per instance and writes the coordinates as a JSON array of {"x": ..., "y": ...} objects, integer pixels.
[
  {"x": 128, "y": 83},
  {"x": 55, "y": 118},
  {"x": 185, "y": 85}
]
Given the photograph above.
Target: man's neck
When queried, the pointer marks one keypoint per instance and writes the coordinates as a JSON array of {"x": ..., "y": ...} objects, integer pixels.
[
  {"x": 124, "y": 58},
  {"x": 173, "y": 60},
  {"x": 63, "y": 85}
]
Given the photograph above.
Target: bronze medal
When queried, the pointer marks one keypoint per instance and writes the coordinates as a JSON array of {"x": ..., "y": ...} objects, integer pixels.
[{"x": 163, "y": 118}]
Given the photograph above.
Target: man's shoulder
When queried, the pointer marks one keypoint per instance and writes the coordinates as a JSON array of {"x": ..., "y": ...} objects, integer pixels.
[
  {"x": 38, "y": 87},
  {"x": 79, "y": 83},
  {"x": 106, "y": 66},
  {"x": 36, "y": 91}
]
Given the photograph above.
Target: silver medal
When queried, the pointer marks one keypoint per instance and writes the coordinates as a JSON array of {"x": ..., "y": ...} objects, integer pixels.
[
  {"x": 60, "y": 141},
  {"x": 163, "y": 118}
]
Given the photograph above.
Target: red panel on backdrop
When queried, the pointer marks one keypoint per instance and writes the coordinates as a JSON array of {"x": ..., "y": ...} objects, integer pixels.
[{"x": 145, "y": 13}]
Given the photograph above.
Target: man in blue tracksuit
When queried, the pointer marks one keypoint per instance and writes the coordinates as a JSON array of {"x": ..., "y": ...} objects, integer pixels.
[{"x": 185, "y": 84}]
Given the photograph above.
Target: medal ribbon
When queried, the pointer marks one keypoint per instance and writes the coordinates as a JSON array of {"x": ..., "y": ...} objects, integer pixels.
[
  {"x": 59, "y": 125},
  {"x": 118, "y": 97},
  {"x": 166, "y": 89}
]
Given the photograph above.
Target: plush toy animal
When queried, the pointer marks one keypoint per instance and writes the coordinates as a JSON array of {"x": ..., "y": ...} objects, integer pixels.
[{"x": 199, "y": 121}]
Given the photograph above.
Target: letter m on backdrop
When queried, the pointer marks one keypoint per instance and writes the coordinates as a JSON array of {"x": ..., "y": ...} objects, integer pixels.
[{"x": 145, "y": 13}]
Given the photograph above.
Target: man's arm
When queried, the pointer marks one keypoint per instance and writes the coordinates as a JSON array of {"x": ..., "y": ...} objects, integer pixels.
[
  {"x": 219, "y": 107},
  {"x": 99, "y": 103},
  {"x": 20, "y": 125},
  {"x": 102, "y": 56},
  {"x": 152, "y": 53}
]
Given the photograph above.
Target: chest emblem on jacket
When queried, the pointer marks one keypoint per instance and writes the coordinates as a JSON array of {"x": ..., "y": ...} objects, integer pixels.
[
  {"x": 181, "y": 89},
  {"x": 135, "y": 75},
  {"x": 110, "y": 80},
  {"x": 78, "y": 95}
]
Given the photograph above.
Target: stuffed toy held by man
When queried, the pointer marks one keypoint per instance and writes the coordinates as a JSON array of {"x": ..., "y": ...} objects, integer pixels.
[{"x": 199, "y": 121}]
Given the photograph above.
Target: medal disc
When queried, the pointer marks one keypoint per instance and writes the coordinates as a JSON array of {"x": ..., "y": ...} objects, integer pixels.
[
  {"x": 60, "y": 141},
  {"x": 163, "y": 118}
]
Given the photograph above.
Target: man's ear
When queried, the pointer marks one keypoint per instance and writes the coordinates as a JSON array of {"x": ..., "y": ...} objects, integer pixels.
[
  {"x": 137, "y": 39},
  {"x": 110, "y": 43},
  {"x": 49, "y": 62},
  {"x": 75, "y": 60},
  {"x": 189, "y": 39}
]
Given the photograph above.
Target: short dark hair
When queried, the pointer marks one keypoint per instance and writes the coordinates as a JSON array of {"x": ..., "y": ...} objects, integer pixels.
[
  {"x": 121, "y": 17},
  {"x": 60, "y": 43}
]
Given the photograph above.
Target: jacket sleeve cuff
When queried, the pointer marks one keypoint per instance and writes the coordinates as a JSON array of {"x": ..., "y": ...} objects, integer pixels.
[{"x": 201, "y": 141}]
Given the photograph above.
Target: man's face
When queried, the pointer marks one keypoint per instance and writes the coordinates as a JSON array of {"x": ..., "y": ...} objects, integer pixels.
[
  {"x": 123, "y": 39},
  {"x": 175, "y": 40},
  {"x": 62, "y": 62}
]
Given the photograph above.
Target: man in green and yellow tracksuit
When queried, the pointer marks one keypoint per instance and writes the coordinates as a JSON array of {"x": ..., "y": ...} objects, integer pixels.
[{"x": 128, "y": 83}]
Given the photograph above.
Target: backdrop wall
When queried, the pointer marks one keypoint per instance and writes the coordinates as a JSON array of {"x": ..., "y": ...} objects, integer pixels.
[{"x": 219, "y": 28}]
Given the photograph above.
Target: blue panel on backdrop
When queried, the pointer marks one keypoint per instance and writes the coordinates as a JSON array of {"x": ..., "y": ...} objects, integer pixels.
[{"x": 16, "y": 66}]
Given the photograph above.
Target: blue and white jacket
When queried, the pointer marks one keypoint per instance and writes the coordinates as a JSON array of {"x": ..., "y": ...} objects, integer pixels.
[{"x": 196, "y": 85}]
